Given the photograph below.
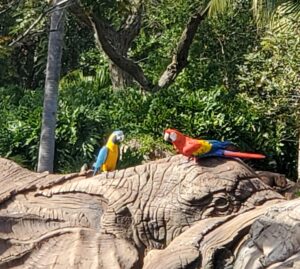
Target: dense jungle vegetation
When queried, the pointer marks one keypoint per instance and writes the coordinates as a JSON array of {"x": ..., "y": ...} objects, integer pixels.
[{"x": 241, "y": 82}]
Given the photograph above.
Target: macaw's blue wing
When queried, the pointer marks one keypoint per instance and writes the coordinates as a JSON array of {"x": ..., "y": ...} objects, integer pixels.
[
  {"x": 100, "y": 159},
  {"x": 213, "y": 153},
  {"x": 216, "y": 144}
]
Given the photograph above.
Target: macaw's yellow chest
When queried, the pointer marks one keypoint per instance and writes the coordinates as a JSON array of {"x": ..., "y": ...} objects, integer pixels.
[{"x": 112, "y": 157}]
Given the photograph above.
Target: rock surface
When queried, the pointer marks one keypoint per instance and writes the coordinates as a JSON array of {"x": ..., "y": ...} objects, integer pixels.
[{"x": 170, "y": 213}]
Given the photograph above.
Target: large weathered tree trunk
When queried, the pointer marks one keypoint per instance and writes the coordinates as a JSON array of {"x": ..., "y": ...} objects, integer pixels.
[
  {"x": 47, "y": 139},
  {"x": 119, "y": 78},
  {"x": 171, "y": 213},
  {"x": 116, "y": 44}
]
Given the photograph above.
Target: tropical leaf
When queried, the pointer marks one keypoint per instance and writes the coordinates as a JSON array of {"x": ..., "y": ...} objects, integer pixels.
[
  {"x": 286, "y": 17},
  {"x": 277, "y": 13},
  {"x": 219, "y": 6}
]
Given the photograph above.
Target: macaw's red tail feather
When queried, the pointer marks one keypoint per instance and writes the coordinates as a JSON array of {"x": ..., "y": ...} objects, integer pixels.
[{"x": 228, "y": 153}]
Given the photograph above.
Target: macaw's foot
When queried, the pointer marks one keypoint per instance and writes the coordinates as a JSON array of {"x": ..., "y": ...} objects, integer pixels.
[
  {"x": 193, "y": 158},
  {"x": 185, "y": 160}
]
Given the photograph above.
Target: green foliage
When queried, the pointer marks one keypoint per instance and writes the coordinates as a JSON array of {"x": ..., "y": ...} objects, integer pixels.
[
  {"x": 163, "y": 24},
  {"x": 20, "y": 125},
  {"x": 270, "y": 79},
  {"x": 22, "y": 59},
  {"x": 219, "y": 48},
  {"x": 257, "y": 111},
  {"x": 78, "y": 41},
  {"x": 24, "y": 63},
  {"x": 89, "y": 111}
]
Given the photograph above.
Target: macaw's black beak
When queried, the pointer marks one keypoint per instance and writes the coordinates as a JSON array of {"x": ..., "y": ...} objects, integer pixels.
[{"x": 121, "y": 138}]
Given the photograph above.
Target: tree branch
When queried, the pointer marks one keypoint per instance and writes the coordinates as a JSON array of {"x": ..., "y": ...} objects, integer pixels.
[
  {"x": 122, "y": 62},
  {"x": 179, "y": 59},
  {"x": 109, "y": 40},
  {"x": 61, "y": 4},
  {"x": 131, "y": 27},
  {"x": 9, "y": 6},
  {"x": 79, "y": 12}
]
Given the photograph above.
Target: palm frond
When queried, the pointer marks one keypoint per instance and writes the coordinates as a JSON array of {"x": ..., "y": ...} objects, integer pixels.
[
  {"x": 266, "y": 11},
  {"x": 219, "y": 6},
  {"x": 286, "y": 16}
]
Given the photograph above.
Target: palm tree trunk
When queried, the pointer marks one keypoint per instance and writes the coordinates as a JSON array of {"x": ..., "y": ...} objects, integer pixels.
[
  {"x": 298, "y": 170},
  {"x": 47, "y": 139}
]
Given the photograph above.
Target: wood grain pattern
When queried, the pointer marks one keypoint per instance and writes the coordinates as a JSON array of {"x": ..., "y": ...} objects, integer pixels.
[{"x": 170, "y": 213}]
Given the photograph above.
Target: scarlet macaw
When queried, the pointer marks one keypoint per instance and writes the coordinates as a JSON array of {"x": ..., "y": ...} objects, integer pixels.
[
  {"x": 191, "y": 147},
  {"x": 109, "y": 154}
]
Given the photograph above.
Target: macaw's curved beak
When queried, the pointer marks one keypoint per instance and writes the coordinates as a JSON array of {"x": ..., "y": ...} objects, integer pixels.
[{"x": 167, "y": 137}]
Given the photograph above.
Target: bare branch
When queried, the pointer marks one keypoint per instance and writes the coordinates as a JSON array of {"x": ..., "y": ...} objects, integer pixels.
[
  {"x": 179, "y": 59},
  {"x": 19, "y": 38},
  {"x": 78, "y": 11},
  {"x": 61, "y": 4},
  {"x": 9, "y": 6},
  {"x": 131, "y": 27}
]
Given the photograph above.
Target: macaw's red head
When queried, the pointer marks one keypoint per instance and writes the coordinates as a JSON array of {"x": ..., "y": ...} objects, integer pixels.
[{"x": 172, "y": 135}]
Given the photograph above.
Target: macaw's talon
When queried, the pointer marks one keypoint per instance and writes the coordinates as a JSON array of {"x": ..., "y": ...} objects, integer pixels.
[
  {"x": 185, "y": 160},
  {"x": 194, "y": 159}
]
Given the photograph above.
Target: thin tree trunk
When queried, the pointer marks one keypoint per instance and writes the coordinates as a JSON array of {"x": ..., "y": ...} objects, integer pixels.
[
  {"x": 298, "y": 170},
  {"x": 47, "y": 139}
]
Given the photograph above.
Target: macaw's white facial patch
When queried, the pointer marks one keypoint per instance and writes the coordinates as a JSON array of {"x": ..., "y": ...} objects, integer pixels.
[
  {"x": 118, "y": 136},
  {"x": 173, "y": 136}
]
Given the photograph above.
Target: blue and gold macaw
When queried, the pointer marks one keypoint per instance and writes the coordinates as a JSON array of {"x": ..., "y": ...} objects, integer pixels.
[{"x": 109, "y": 154}]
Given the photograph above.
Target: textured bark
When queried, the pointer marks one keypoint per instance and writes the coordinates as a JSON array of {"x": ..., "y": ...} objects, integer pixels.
[
  {"x": 121, "y": 40},
  {"x": 116, "y": 47},
  {"x": 116, "y": 44},
  {"x": 298, "y": 163},
  {"x": 170, "y": 213},
  {"x": 47, "y": 139}
]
